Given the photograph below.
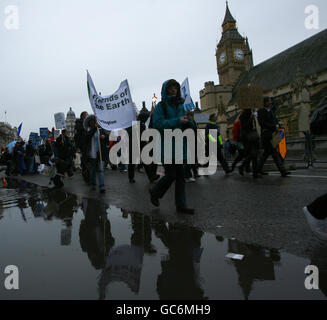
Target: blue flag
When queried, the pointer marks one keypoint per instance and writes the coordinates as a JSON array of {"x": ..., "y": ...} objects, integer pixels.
[
  {"x": 186, "y": 95},
  {"x": 19, "y": 129}
]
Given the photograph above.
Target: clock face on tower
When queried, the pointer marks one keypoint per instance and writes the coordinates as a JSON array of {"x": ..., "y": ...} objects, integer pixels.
[
  {"x": 222, "y": 58},
  {"x": 239, "y": 54}
]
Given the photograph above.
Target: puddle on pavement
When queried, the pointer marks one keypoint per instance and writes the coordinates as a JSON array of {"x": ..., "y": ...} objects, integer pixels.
[{"x": 68, "y": 247}]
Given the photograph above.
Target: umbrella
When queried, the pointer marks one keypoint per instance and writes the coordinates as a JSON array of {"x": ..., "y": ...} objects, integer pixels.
[{"x": 11, "y": 145}]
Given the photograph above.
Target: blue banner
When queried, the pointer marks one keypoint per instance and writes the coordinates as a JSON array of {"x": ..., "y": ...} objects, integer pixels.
[
  {"x": 44, "y": 133},
  {"x": 34, "y": 137}
]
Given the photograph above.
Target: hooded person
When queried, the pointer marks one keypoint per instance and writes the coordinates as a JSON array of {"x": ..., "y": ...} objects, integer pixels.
[
  {"x": 95, "y": 151},
  {"x": 170, "y": 114}
]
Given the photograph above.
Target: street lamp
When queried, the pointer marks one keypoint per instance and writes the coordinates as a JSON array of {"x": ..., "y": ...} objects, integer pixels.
[{"x": 154, "y": 101}]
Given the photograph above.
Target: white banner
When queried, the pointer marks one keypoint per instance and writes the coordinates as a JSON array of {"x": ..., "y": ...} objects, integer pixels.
[
  {"x": 186, "y": 95},
  {"x": 56, "y": 134},
  {"x": 115, "y": 111},
  {"x": 60, "y": 120}
]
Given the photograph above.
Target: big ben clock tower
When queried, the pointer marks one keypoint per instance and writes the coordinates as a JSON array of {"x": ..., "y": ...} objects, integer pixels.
[{"x": 233, "y": 54}]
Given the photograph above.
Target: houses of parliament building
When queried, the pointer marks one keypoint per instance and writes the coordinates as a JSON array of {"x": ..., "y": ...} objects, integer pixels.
[{"x": 295, "y": 79}]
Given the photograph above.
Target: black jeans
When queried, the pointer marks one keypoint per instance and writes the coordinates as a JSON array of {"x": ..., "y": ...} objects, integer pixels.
[
  {"x": 151, "y": 171},
  {"x": 131, "y": 171},
  {"x": 220, "y": 157},
  {"x": 189, "y": 168},
  {"x": 269, "y": 150},
  {"x": 250, "y": 155},
  {"x": 173, "y": 173}
]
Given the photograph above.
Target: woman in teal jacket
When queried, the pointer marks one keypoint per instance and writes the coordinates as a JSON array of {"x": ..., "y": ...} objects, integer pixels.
[{"x": 170, "y": 114}]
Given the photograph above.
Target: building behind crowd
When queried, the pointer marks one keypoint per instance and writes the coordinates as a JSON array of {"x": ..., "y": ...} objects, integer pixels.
[
  {"x": 7, "y": 133},
  {"x": 295, "y": 79},
  {"x": 70, "y": 123}
]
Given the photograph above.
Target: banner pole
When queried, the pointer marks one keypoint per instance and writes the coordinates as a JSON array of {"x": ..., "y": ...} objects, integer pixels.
[{"x": 100, "y": 152}]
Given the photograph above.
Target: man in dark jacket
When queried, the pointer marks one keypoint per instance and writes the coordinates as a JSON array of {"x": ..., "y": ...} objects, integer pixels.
[
  {"x": 170, "y": 114},
  {"x": 251, "y": 141},
  {"x": 65, "y": 154},
  {"x": 212, "y": 125},
  {"x": 79, "y": 138},
  {"x": 269, "y": 125},
  {"x": 30, "y": 153},
  {"x": 45, "y": 153},
  {"x": 192, "y": 168},
  {"x": 7, "y": 159},
  {"x": 96, "y": 151}
]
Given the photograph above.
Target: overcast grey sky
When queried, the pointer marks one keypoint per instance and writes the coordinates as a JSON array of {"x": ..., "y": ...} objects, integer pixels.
[{"x": 43, "y": 63}]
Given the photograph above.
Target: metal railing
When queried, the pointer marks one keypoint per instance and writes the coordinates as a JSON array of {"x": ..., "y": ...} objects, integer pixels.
[{"x": 308, "y": 154}]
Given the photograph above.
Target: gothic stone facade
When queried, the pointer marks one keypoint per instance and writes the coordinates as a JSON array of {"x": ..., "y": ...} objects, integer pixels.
[
  {"x": 7, "y": 133},
  {"x": 295, "y": 79}
]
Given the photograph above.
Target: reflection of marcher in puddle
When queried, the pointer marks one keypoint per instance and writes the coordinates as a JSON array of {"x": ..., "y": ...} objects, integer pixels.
[
  {"x": 319, "y": 259},
  {"x": 180, "y": 276},
  {"x": 22, "y": 205},
  {"x": 62, "y": 205},
  {"x": 95, "y": 232},
  {"x": 142, "y": 232},
  {"x": 36, "y": 206},
  {"x": 124, "y": 263},
  {"x": 316, "y": 215},
  {"x": 258, "y": 264}
]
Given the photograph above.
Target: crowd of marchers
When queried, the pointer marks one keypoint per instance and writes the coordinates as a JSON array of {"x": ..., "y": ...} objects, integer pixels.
[{"x": 88, "y": 152}]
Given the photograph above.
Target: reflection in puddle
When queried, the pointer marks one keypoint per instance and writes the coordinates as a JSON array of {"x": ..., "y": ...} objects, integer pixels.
[{"x": 74, "y": 248}]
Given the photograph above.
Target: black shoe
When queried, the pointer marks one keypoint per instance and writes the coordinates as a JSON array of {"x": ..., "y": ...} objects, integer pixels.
[
  {"x": 185, "y": 210},
  {"x": 103, "y": 191},
  {"x": 57, "y": 181},
  {"x": 131, "y": 181},
  {"x": 264, "y": 173},
  {"x": 241, "y": 171},
  {"x": 154, "y": 178},
  {"x": 285, "y": 174},
  {"x": 228, "y": 171},
  {"x": 154, "y": 200}
]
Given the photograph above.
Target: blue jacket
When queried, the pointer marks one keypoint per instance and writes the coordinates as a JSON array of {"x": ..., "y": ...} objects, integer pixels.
[{"x": 169, "y": 120}]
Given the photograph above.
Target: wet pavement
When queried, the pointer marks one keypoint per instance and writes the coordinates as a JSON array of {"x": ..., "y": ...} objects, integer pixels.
[{"x": 72, "y": 246}]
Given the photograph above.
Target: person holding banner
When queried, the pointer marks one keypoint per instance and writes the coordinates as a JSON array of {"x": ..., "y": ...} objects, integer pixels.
[
  {"x": 170, "y": 114},
  {"x": 96, "y": 145},
  {"x": 269, "y": 125}
]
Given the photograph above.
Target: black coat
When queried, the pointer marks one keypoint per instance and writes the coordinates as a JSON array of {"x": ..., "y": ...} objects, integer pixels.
[
  {"x": 80, "y": 133},
  {"x": 64, "y": 148},
  {"x": 268, "y": 122},
  {"x": 30, "y": 151}
]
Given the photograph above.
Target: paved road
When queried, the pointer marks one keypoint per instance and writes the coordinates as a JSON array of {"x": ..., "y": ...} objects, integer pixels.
[{"x": 267, "y": 212}]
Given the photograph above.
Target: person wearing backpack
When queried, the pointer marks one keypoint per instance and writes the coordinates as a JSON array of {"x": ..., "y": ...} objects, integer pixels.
[{"x": 170, "y": 114}]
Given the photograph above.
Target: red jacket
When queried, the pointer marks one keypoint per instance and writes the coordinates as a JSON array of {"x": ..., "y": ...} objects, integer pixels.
[{"x": 236, "y": 131}]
